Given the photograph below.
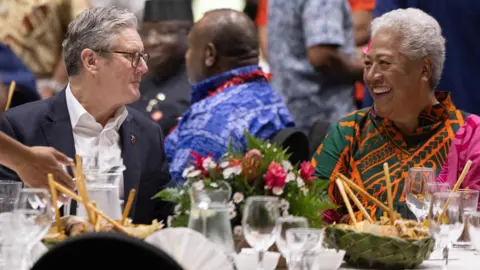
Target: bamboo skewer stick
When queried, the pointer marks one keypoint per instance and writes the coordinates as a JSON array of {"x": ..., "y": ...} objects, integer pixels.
[
  {"x": 53, "y": 190},
  {"x": 10, "y": 94},
  {"x": 456, "y": 187},
  {"x": 389, "y": 192},
  {"x": 82, "y": 189},
  {"x": 89, "y": 205},
  {"x": 97, "y": 224},
  {"x": 128, "y": 206},
  {"x": 362, "y": 191},
  {"x": 358, "y": 203},
  {"x": 347, "y": 201}
]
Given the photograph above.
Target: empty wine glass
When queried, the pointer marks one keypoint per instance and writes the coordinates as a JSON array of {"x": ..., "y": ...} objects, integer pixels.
[
  {"x": 468, "y": 205},
  {"x": 284, "y": 224},
  {"x": 473, "y": 222},
  {"x": 32, "y": 217},
  {"x": 415, "y": 189},
  {"x": 304, "y": 247},
  {"x": 444, "y": 220},
  {"x": 259, "y": 223}
]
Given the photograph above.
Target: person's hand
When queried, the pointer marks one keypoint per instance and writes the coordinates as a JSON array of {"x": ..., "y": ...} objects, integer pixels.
[{"x": 39, "y": 163}]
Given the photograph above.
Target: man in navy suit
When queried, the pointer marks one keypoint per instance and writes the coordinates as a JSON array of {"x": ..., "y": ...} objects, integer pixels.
[{"x": 105, "y": 61}]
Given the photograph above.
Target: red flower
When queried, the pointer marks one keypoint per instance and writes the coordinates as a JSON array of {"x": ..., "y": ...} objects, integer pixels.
[
  {"x": 306, "y": 172},
  {"x": 198, "y": 162},
  {"x": 275, "y": 176}
]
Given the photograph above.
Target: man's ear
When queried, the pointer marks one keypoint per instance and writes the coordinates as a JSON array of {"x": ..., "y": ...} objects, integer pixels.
[
  {"x": 210, "y": 55},
  {"x": 90, "y": 60}
]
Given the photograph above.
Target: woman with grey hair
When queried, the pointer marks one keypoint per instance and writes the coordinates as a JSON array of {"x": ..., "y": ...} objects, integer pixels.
[{"x": 410, "y": 125}]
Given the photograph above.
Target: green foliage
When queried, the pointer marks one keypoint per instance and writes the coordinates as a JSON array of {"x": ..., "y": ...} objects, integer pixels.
[{"x": 246, "y": 173}]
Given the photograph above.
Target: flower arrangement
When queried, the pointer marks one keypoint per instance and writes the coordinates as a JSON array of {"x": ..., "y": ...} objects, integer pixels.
[{"x": 263, "y": 170}]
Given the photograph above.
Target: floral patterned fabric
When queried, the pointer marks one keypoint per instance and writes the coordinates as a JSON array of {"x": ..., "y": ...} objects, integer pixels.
[{"x": 214, "y": 122}]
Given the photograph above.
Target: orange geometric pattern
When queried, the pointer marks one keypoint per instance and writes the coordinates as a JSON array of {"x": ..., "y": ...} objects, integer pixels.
[{"x": 361, "y": 142}]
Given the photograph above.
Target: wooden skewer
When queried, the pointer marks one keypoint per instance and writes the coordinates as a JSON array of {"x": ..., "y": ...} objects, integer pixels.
[
  {"x": 128, "y": 206},
  {"x": 82, "y": 189},
  {"x": 386, "y": 171},
  {"x": 72, "y": 195},
  {"x": 456, "y": 187},
  {"x": 347, "y": 201},
  {"x": 362, "y": 191},
  {"x": 97, "y": 224},
  {"x": 53, "y": 191},
  {"x": 357, "y": 203},
  {"x": 10, "y": 94}
]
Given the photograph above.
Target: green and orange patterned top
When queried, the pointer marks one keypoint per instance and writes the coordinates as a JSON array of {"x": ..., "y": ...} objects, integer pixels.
[{"x": 359, "y": 144}]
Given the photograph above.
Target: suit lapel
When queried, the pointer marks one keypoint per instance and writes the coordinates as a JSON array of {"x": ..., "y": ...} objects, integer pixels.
[
  {"x": 131, "y": 157},
  {"x": 58, "y": 128}
]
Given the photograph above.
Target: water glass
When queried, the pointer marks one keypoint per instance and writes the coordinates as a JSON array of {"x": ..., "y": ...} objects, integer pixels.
[
  {"x": 9, "y": 191},
  {"x": 415, "y": 190},
  {"x": 304, "y": 247},
  {"x": 284, "y": 224},
  {"x": 30, "y": 221},
  {"x": 445, "y": 220},
  {"x": 259, "y": 223}
]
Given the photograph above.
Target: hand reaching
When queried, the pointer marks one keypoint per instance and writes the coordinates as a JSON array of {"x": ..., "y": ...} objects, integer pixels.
[{"x": 39, "y": 163}]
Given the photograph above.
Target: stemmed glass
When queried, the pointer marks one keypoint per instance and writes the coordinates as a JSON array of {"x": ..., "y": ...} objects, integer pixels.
[
  {"x": 468, "y": 205},
  {"x": 474, "y": 229},
  {"x": 32, "y": 217},
  {"x": 304, "y": 247},
  {"x": 415, "y": 189},
  {"x": 259, "y": 224},
  {"x": 445, "y": 221},
  {"x": 284, "y": 224}
]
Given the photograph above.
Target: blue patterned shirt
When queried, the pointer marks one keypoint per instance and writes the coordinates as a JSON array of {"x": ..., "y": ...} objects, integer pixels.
[
  {"x": 293, "y": 27},
  {"x": 211, "y": 123}
]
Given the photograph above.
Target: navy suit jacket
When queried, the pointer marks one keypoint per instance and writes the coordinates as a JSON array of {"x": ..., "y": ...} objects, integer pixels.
[{"x": 47, "y": 123}]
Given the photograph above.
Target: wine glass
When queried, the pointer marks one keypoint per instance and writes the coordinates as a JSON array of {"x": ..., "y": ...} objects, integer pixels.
[
  {"x": 259, "y": 223},
  {"x": 474, "y": 229},
  {"x": 444, "y": 220},
  {"x": 284, "y": 224},
  {"x": 304, "y": 247},
  {"x": 32, "y": 217},
  {"x": 415, "y": 189},
  {"x": 468, "y": 205}
]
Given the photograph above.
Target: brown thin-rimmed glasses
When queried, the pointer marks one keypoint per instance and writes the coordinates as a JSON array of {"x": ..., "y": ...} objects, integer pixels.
[{"x": 134, "y": 57}]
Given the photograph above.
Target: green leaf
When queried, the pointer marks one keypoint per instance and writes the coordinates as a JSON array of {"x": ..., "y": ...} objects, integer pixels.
[{"x": 169, "y": 194}]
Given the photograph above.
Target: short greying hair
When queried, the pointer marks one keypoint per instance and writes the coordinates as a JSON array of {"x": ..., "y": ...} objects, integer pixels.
[
  {"x": 421, "y": 36},
  {"x": 94, "y": 28}
]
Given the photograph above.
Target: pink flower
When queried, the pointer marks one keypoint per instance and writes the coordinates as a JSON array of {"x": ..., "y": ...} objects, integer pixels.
[
  {"x": 306, "y": 172},
  {"x": 275, "y": 176},
  {"x": 253, "y": 154}
]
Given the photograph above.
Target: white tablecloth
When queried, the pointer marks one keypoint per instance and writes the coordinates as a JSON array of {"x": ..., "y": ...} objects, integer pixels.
[{"x": 459, "y": 260}]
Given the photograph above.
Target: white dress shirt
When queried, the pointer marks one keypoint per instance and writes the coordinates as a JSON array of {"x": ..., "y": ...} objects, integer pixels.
[{"x": 91, "y": 139}]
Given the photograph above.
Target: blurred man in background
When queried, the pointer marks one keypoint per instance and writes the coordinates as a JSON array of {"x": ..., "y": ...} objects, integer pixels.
[
  {"x": 165, "y": 92},
  {"x": 312, "y": 58}
]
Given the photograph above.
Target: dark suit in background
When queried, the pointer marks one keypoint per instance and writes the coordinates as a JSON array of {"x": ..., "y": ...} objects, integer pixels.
[{"x": 47, "y": 123}]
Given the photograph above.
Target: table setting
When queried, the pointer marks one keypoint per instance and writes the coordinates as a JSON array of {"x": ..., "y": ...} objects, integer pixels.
[{"x": 253, "y": 211}]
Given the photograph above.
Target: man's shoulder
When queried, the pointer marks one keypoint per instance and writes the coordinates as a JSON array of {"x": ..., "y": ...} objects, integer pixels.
[{"x": 29, "y": 110}]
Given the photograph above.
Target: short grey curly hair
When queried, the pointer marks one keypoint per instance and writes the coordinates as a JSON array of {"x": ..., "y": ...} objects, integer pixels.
[
  {"x": 94, "y": 28},
  {"x": 421, "y": 34}
]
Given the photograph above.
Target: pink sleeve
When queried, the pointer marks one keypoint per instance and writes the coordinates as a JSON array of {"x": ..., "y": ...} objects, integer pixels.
[{"x": 465, "y": 146}]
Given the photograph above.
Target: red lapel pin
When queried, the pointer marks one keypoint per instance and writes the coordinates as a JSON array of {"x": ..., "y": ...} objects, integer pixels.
[{"x": 132, "y": 140}]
